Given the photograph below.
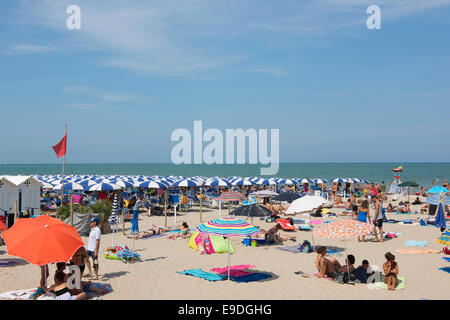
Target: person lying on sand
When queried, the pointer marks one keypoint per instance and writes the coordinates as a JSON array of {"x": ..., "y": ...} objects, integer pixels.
[
  {"x": 390, "y": 208},
  {"x": 183, "y": 232},
  {"x": 405, "y": 208},
  {"x": 153, "y": 231}
]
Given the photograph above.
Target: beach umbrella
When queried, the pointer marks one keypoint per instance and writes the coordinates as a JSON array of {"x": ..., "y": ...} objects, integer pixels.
[
  {"x": 264, "y": 193},
  {"x": 344, "y": 230},
  {"x": 187, "y": 183},
  {"x": 103, "y": 187},
  {"x": 217, "y": 183},
  {"x": 152, "y": 184},
  {"x": 445, "y": 238},
  {"x": 287, "y": 196},
  {"x": 265, "y": 182},
  {"x": 229, "y": 196},
  {"x": 228, "y": 227},
  {"x": 70, "y": 186},
  {"x": 437, "y": 189},
  {"x": 435, "y": 199},
  {"x": 305, "y": 204},
  {"x": 287, "y": 181},
  {"x": 408, "y": 184},
  {"x": 123, "y": 183},
  {"x": 42, "y": 240},
  {"x": 242, "y": 182},
  {"x": 250, "y": 211},
  {"x": 46, "y": 185},
  {"x": 113, "y": 220}
]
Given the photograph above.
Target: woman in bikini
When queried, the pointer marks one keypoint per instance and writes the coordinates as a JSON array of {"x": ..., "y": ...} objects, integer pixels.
[
  {"x": 61, "y": 290},
  {"x": 183, "y": 232},
  {"x": 153, "y": 231},
  {"x": 390, "y": 268},
  {"x": 363, "y": 216},
  {"x": 325, "y": 267}
]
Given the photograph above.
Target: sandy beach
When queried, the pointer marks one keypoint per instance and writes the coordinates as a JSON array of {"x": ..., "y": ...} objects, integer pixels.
[{"x": 156, "y": 277}]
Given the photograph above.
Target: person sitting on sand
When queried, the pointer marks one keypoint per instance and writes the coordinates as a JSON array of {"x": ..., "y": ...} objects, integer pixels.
[
  {"x": 273, "y": 237},
  {"x": 348, "y": 205},
  {"x": 405, "y": 208},
  {"x": 390, "y": 268},
  {"x": 183, "y": 232},
  {"x": 339, "y": 200},
  {"x": 361, "y": 273},
  {"x": 325, "y": 267},
  {"x": 153, "y": 231},
  {"x": 350, "y": 261},
  {"x": 417, "y": 201},
  {"x": 390, "y": 208},
  {"x": 61, "y": 290},
  {"x": 85, "y": 285}
]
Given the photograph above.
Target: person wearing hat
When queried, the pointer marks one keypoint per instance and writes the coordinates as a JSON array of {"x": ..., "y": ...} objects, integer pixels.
[{"x": 94, "y": 244}]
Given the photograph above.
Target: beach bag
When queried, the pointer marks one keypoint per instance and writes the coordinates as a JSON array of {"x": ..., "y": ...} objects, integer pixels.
[
  {"x": 342, "y": 277},
  {"x": 306, "y": 247}
]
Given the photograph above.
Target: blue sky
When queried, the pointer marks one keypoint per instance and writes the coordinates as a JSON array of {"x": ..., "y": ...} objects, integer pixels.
[{"x": 137, "y": 70}]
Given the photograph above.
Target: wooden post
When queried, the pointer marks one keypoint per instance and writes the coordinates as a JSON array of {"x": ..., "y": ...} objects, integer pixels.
[
  {"x": 201, "y": 197},
  {"x": 165, "y": 213},
  {"x": 15, "y": 210},
  {"x": 71, "y": 210},
  {"x": 123, "y": 219}
]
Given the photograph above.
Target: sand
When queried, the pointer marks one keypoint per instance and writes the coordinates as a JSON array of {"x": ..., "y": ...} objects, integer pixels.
[{"x": 156, "y": 277}]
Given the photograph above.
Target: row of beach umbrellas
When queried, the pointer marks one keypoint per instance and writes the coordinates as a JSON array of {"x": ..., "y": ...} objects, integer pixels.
[{"x": 108, "y": 183}]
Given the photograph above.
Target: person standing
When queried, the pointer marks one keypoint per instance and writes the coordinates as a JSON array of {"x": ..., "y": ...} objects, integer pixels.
[
  {"x": 94, "y": 244},
  {"x": 363, "y": 216},
  {"x": 378, "y": 218}
]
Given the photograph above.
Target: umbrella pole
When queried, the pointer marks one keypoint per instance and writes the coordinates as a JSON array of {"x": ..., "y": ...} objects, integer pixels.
[
  {"x": 312, "y": 234},
  {"x": 71, "y": 210},
  {"x": 220, "y": 206},
  {"x": 228, "y": 258},
  {"x": 201, "y": 196},
  {"x": 123, "y": 220},
  {"x": 175, "y": 212},
  {"x": 348, "y": 269}
]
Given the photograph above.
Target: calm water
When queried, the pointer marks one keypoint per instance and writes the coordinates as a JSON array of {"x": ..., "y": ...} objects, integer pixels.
[{"x": 423, "y": 173}]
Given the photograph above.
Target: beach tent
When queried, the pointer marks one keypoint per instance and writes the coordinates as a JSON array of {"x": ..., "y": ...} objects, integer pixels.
[
  {"x": 25, "y": 190},
  {"x": 218, "y": 243}
]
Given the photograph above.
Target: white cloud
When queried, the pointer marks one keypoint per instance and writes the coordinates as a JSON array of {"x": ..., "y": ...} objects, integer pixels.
[
  {"x": 194, "y": 37},
  {"x": 30, "y": 48}
]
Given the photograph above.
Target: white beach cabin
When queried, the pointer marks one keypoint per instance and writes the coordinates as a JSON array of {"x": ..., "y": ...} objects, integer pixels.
[{"x": 25, "y": 189}]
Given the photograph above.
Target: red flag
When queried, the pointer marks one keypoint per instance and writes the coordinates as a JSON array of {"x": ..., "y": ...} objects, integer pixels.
[{"x": 60, "y": 148}]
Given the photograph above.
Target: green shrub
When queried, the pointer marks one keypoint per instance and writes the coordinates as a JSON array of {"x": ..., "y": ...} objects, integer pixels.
[{"x": 102, "y": 208}]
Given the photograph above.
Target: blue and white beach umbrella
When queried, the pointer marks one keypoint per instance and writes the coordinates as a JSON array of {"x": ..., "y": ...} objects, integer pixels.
[
  {"x": 123, "y": 183},
  {"x": 242, "y": 182},
  {"x": 153, "y": 184},
  {"x": 103, "y": 187},
  {"x": 287, "y": 181},
  {"x": 217, "y": 183},
  {"x": 318, "y": 181},
  {"x": 70, "y": 186},
  {"x": 187, "y": 183}
]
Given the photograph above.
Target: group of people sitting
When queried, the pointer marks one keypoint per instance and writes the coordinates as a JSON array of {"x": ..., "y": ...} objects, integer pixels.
[{"x": 330, "y": 267}]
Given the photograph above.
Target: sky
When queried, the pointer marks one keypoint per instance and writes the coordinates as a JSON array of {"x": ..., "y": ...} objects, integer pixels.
[{"x": 138, "y": 70}]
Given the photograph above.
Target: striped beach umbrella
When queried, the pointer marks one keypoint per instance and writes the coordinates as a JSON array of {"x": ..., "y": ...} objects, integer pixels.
[
  {"x": 217, "y": 183},
  {"x": 113, "y": 220},
  {"x": 242, "y": 182},
  {"x": 228, "y": 227},
  {"x": 344, "y": 230},
  {"x": 70, "y": 186},
  {"x": 103, "y": 187},
  {"x": 187, "y": 183},
  {"x": 153, "y": 184},
  {"x": 230, "y": 196}
]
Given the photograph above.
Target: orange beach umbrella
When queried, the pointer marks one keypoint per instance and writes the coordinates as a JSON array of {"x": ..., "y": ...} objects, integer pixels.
[{"x": 42, "y": 240}]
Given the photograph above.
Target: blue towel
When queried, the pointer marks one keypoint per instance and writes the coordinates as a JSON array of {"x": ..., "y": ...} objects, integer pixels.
[
  {"x": 204, "y": 275},
  {"x": 294, "y": 249},
  {"x": 446, "y": 259},
  {"x": 446, "y": 269},
  {"x": 255, "y": 276},
  {"x": 415, "y": 243}
]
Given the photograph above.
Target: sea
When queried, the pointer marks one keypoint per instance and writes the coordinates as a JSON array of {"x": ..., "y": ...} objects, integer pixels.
[{"x": 423, "y": 173}]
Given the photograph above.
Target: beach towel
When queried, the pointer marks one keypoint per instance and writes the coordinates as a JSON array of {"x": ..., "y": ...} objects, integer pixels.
[
  {"x": 424, "y": 224},
  {"x": 238, "y": 267},
  {"x": 415, "y": 243},
  {"x": 155, "y": 236},
  {"x": 7, "y": 263},
  {"x": 294, "y": 249},
  {"x": 446, "y": 269},
  {"x": 253, "y": 276},
  {"x": 446, "y": 259},
  {"x": 400, "y": 286},
  {"x": 25, "y": 295},
  {"x": 202, "y": 274},
  {"x": 417, "y": 251}
]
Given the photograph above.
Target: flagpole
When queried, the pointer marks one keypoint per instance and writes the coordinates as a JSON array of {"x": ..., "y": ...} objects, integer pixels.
[{"x": 64, "y": 169}]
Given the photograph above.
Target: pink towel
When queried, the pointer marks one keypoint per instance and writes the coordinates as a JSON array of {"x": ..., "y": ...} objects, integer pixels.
[
  {"x": 234, "y": 268},
  {"x": 235, "y": 273},
  {"x": 316, "y": 221}
]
